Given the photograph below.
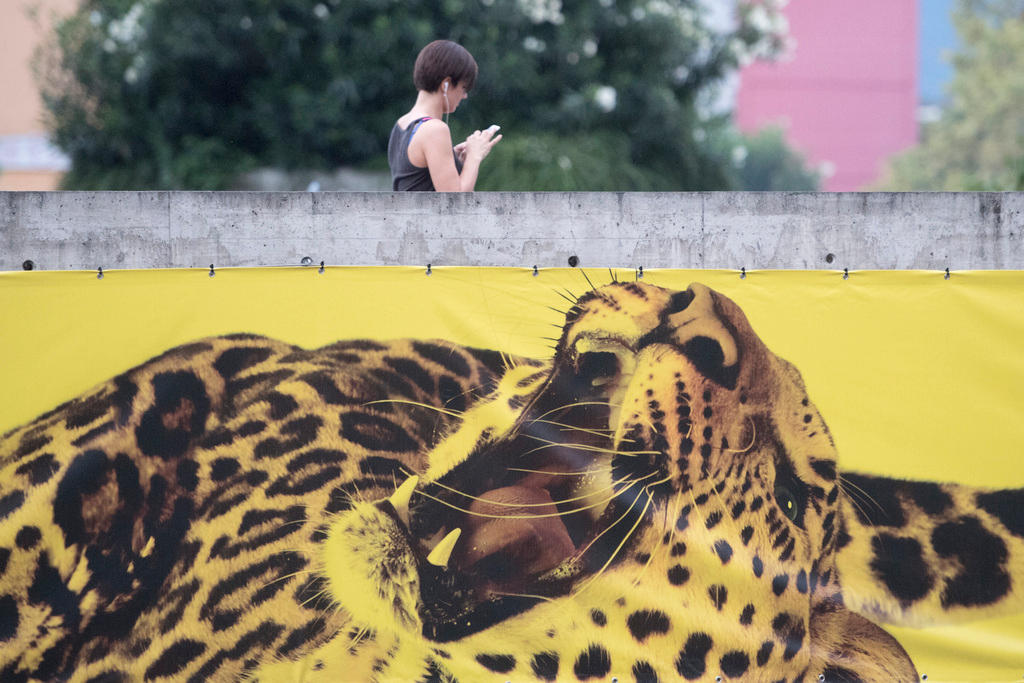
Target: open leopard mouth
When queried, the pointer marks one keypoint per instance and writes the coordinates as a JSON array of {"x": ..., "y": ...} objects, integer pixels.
[{"x": 528, "y": 518}]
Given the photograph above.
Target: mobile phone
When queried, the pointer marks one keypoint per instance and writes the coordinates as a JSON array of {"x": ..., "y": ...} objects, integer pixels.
[{"x": 493, "y": 128}]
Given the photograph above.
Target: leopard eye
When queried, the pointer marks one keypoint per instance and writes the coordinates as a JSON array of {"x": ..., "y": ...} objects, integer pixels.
[
  {"x": 787, "y": 501},
  {"x": 790, "y": 491}
]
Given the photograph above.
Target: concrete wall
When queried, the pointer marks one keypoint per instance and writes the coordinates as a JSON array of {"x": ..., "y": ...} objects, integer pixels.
[{"x": 84, "y": 230}]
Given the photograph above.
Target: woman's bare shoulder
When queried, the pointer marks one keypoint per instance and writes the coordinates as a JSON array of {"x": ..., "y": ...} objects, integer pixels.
[
  {"x": 434, "y": 124},
  {"x": 432, "y": 137},
  {"x": 435, "y": 130},
  {"x": 405, "y": 121}
]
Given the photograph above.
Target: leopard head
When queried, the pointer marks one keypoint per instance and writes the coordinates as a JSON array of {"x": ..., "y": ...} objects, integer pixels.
[{"x": 660, "y": 500}]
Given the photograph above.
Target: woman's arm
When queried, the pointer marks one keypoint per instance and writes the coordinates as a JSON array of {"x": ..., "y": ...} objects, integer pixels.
[{"x": 435, "y": 145}]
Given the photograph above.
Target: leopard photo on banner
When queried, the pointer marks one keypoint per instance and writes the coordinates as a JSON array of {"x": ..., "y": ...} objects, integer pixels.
[{"x": 656, "y": 497}]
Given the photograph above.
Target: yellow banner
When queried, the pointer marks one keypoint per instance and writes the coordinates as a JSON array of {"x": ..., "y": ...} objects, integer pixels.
[{"x": 606, "y": 475}]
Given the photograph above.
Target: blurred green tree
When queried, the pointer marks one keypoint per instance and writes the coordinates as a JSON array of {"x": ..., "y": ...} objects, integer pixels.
[
  {"x": 763, "y": 161},
  {"x": 977, "y": 143},
  {"x": 590, "y": 94}
]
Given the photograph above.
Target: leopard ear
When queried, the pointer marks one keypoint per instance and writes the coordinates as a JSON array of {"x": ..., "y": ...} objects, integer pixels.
[
  {"x": 915, "y": 553},
  {"x": 848, "y": 647}
]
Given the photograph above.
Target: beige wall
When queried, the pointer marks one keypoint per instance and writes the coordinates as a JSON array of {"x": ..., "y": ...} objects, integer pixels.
[
  {"x": 38, "y": 181},
  {"x": 23, "y": 24}
]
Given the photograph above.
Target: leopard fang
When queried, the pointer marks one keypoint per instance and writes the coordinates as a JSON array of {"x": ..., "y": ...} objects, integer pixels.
[
  {"x": 441, "y": 553},
  {"x": 400, "y": 498}
]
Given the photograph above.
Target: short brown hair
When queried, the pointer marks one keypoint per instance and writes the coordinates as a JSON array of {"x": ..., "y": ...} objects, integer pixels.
[{"x": 443, "y": 59}]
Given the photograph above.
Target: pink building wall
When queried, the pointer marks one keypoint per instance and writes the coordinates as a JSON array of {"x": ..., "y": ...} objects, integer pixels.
[{"x": 848, "y": 97}]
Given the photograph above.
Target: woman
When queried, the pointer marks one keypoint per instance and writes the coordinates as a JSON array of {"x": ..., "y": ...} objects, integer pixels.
[{"x": 420, "y": 151}]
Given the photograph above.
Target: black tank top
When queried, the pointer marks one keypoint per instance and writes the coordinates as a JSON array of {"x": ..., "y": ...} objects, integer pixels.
[{"x": 406, "y": 177}]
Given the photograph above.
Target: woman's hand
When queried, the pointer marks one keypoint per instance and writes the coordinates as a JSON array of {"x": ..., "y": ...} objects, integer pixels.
[
  {"x": 479, "y": 144},
  {"x": 460, "y": 152}
]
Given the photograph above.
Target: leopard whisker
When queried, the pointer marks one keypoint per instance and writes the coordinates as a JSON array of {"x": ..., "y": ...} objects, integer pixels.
[
  {"x": 864, "y": 495},
  {"x": 693, "y": 499},
  {"x": 655, "y": 545},
  {"x": 610, "y": 487},
  {"x": 356, "y": 492},
  {"x": 289, "y": 577},
  {"x": 463, "y": 394},
  {"x": 857, "y": 505},
  {"x": 622, "y": 543},
  {"x": 726, "y": 514},
  {"x": 574, "y": 405},
  {"x": 582, "y": 447},
  {"x": 361, "y": 634},
  {"x": 663, "y": 353},
  {"x": 589, "y": 494},
  {"x": 677, "y": 503},
  {"x": 507, "y": 361},
  {"x": 560, "y": 474},
  {"x": 299, "y": 522},
  {"x": 317, "y": 596},
  {"x": 523, "y": 595},
  {"x": 646, "y": 421},
  {"x": 608, "y": 528},
  {"x": 571, "y": 298},
  {"x": 605, "y": 433},
  {"x": 592, "y": 287},
  {"x": 602, "y": 433},
  {"x": 855, "y": 489},
  {"x": 419, "y": 404},
  {"x": 408, "y": 472},
  {"x": 655, "y": 483},
  {"x": 604, "y": 501},
  {"x": 753, "y": 437}
]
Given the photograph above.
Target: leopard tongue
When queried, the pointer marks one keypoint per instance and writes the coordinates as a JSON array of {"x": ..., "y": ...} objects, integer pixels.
[{"x": 520, "y": 523}]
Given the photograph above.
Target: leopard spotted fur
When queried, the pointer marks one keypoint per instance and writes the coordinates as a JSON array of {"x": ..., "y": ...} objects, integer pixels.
[{"x": 660, "y": 500}]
